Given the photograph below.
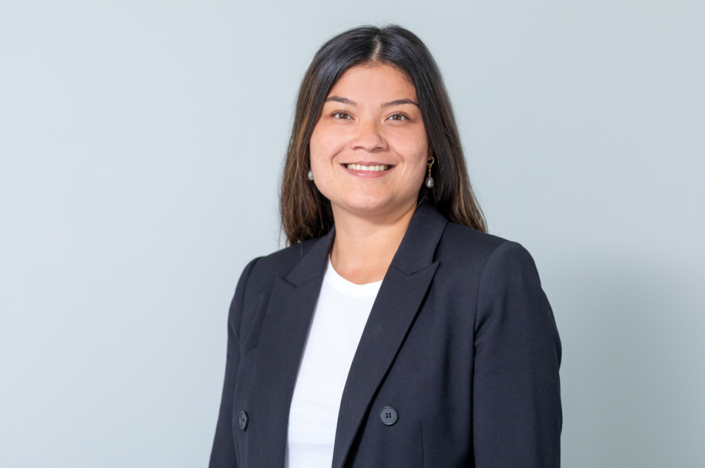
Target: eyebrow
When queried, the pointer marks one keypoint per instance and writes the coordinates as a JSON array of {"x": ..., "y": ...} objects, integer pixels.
[
  {"x": 398, "y": 102},
  {"x": 341, "y": 99}
]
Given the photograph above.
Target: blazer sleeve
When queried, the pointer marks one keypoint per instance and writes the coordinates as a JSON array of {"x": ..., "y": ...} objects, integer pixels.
[
  {"x": 517, "y": 416},
  {"x": 223, "y": 452}
]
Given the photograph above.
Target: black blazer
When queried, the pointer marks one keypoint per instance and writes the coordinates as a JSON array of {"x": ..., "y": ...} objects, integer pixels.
[{"x": 461, "y": 342}]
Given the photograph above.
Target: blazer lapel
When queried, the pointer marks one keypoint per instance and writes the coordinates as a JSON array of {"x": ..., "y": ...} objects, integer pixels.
[
  {"x": 397, "y": 303},
  {"x": 284, "y": 331}
]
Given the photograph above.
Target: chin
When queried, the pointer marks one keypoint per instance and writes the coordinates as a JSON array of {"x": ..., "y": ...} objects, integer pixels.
[
  {"x": 366, "y": 203},
  {"x": 372, "y": 205},
  {"x": 371, "y": 202}
]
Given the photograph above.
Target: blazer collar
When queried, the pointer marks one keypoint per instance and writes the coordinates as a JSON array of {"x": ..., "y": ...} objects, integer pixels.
[
  {"x": 418, "y": 247},
  {"x": 416, "y": 251},
  {"x": 313, "y": 264}
]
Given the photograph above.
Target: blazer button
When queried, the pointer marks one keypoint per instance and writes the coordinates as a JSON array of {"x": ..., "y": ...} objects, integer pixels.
[
  {"x": 243, "y": 420},
  {"x": 388, "y": 415}
]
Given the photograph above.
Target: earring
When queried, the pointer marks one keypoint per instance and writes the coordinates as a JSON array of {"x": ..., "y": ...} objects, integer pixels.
[
  {"x": 310, "y": 175},
  {"x": 429, "y": 179}
]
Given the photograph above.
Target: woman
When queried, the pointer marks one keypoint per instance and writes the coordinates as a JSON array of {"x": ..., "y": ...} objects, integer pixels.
[{"x": 393, "y": 331}]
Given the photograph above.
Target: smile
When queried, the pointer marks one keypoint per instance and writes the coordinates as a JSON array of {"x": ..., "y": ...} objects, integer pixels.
[{"x": 371, "y": 168}]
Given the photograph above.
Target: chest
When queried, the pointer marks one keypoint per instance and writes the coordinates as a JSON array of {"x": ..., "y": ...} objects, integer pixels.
[{"x": 427, "y": 381}]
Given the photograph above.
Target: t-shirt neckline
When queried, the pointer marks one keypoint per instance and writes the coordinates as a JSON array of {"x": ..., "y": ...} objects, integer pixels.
[{"x": 348, "y": 287}]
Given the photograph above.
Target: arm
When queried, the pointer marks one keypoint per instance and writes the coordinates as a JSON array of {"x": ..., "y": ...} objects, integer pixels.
[
  {"x": 223, "y": 452},
  {"x": 516, "y": 391}
]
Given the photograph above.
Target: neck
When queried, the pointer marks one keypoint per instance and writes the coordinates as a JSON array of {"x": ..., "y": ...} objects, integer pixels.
[{"x": 364, "y": 245}]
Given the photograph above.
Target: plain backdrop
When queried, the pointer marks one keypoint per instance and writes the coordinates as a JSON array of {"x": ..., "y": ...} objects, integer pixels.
[{"x": 141, "y": 148}]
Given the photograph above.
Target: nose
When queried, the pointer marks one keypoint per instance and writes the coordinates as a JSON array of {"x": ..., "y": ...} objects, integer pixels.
[{"x": 369, "y": 138}]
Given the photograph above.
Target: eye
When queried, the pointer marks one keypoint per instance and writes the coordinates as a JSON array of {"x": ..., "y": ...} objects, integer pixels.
[
  {"x": 399, "y": 117},
  {"x": 341, "y": 115}
]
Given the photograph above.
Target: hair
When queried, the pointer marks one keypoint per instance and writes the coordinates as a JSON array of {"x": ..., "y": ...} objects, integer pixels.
[{"x": 305, "y": 212}]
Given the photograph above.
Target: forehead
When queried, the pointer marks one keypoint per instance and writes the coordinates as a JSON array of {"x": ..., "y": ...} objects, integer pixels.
[{"x": 378, "y": 83}]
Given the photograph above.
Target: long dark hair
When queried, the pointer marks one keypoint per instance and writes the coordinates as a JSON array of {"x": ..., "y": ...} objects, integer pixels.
[{"x": 305, "y": 212}]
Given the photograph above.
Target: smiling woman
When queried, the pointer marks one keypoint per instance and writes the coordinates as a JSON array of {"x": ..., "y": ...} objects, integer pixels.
[{"x": 393, "y": 331}]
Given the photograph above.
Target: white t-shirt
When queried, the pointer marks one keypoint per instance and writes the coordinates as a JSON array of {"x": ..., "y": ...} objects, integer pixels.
[{"x": 338, "y": 320}]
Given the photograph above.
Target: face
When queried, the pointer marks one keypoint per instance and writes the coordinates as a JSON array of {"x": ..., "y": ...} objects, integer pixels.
[{"x": 369, "y": 148}]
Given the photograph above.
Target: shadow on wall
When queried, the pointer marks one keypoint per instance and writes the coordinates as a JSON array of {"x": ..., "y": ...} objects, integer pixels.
[{"x": 633, "y": 377}]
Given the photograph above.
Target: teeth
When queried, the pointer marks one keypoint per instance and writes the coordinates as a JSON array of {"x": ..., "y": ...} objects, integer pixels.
[{"x": 359, "y": 167}]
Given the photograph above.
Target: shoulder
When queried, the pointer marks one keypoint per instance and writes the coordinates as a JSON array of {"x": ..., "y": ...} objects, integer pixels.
[
  {"x": 500, "y": 277},
  {"x": 480, "y": 256},
  {"x": 264, "y": 269},
  {"x": 462, "y": 245}
]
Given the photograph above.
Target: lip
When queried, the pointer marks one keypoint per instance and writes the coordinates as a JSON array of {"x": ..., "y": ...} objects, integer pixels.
[
  {"x": 367, "y": 163},
  {"x": 367, "y": 174}
]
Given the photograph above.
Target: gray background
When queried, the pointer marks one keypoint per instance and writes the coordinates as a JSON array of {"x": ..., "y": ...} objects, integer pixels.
[{"x": 141, "y": 145}]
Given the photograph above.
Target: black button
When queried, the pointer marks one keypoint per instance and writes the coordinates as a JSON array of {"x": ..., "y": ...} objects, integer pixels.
[
  {"x": 388, "y": 415},
  {"x": 243, "y": 420}
]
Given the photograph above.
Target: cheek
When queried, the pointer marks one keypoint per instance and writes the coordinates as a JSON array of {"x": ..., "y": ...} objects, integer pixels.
[
  {"x": 414, "y": 149},
  {"x": 315, "y": 144},
  {"x": 322, "y": 148},
  {"x": 324, "y": 144}
]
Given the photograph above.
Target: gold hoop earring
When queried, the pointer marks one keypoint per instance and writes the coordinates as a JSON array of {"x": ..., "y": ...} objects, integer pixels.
[{"x": 429, "y": 179}]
